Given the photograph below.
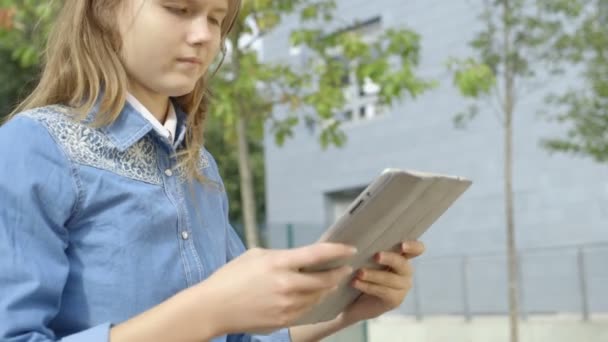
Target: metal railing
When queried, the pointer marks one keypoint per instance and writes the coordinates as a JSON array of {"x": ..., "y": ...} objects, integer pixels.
[
  {"x": 562, "y": 280},
  {"x": 565, "y": 280}
]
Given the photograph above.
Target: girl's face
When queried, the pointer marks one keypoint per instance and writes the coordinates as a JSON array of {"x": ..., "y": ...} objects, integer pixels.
[{"x": 168, "y": 45}]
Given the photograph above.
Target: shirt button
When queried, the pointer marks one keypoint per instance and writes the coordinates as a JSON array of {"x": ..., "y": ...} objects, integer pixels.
[
  {"x": 185, "y": 235},
  {"x": 168, "y": 172}
]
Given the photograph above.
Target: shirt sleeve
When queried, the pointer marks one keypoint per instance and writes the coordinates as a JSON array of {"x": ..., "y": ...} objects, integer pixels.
[
  {"x": 38, "y": 195},
  {"x": 234, "y": 248},
  {"x": 278, "y": 336}
]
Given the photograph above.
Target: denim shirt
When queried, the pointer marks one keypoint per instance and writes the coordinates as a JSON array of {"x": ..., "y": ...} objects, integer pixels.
[{"x": 99, "y": 224}]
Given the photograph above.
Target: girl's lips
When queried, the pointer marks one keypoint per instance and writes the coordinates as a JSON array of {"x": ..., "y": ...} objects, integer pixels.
[{"x": 192, "y": 60}]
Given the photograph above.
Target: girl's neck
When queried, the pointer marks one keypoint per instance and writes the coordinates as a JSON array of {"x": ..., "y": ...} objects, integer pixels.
[{"x": 156, "y": 103}]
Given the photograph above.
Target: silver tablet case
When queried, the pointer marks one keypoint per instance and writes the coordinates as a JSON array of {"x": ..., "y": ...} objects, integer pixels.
[{"x": 398, "y": 206}]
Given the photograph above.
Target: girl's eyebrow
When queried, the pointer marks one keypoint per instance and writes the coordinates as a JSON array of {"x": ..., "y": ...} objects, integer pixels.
[{"x": 222, "y": 9}]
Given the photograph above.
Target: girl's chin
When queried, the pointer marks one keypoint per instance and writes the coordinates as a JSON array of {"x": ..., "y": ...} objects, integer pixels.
[{"x": 176, "y": 89}]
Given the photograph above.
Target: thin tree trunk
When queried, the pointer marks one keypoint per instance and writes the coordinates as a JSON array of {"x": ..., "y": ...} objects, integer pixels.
[
  {"x": 511, "y": 243},
  {"x": 246, "y": 178},
  {"x": 509, "y": 104},
  {"x": 247, "y": 193}
]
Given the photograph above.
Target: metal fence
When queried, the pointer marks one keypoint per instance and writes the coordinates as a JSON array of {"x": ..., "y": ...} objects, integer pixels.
[{"x": 563, "y": 280}]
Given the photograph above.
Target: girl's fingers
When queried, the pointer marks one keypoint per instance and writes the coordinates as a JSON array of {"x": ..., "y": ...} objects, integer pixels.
[
  {"x": 397, "y": 262},
  {"x": 383, "y": 278},
  {"x": 391, "y": 297},
  {"x": 412, "y": 249}
]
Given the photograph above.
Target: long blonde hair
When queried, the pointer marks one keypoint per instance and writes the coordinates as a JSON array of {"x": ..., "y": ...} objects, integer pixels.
[{"x": 82, "y": 58}]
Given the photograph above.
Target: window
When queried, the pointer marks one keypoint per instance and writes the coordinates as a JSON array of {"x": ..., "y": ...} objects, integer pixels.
[
  {"x": 362, "y": 100},
  {"x": 361, "y": 97}
]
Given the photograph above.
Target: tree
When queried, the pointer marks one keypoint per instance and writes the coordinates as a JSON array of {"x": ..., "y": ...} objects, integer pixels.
[
  {"x": 221, "y": 144},
  {"x": 583, "y": 108},
  {"x": 248, "y": 91},
  {"x": 509, "y": 51},
  {"x": 23, "y": 28}
]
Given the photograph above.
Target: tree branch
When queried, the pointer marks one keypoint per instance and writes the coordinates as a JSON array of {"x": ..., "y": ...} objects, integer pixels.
[{"x": 255, "y": 39}]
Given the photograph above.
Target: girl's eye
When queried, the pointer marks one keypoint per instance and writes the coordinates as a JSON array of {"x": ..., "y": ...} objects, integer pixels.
[
  {"x": 178, "y": 10},
  {"x": 215, "y": 21}
]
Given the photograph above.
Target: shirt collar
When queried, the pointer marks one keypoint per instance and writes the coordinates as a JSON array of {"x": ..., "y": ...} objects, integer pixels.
[
  {"x": 166, "y": 129},
  {"x": 131, "y": 126}
]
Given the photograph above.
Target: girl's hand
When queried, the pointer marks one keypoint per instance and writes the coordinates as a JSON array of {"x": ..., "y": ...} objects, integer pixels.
[
  {"x": 384, "y": 289},
  {"x": 262, "y": 290}
]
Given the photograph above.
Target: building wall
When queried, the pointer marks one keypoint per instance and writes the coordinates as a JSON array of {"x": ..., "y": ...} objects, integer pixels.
[{"x": 560, "y": 199}]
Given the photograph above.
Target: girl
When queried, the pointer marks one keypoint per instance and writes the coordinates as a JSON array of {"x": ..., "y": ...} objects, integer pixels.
[{"x": 113, "y": 216}]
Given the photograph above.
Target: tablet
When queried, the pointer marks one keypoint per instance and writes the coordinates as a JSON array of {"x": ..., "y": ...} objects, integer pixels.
[{"x": 398, "y": 205}]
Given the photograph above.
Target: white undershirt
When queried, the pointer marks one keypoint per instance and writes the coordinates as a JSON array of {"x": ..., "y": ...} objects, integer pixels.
[{"x": 167, "y": 129}]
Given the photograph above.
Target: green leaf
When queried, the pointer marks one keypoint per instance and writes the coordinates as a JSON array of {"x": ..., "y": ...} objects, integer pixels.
[{"x": 472, "y": 78}]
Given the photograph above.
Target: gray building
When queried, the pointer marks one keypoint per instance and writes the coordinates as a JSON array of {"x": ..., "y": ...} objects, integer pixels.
[{"x": 561, "y": 200}]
